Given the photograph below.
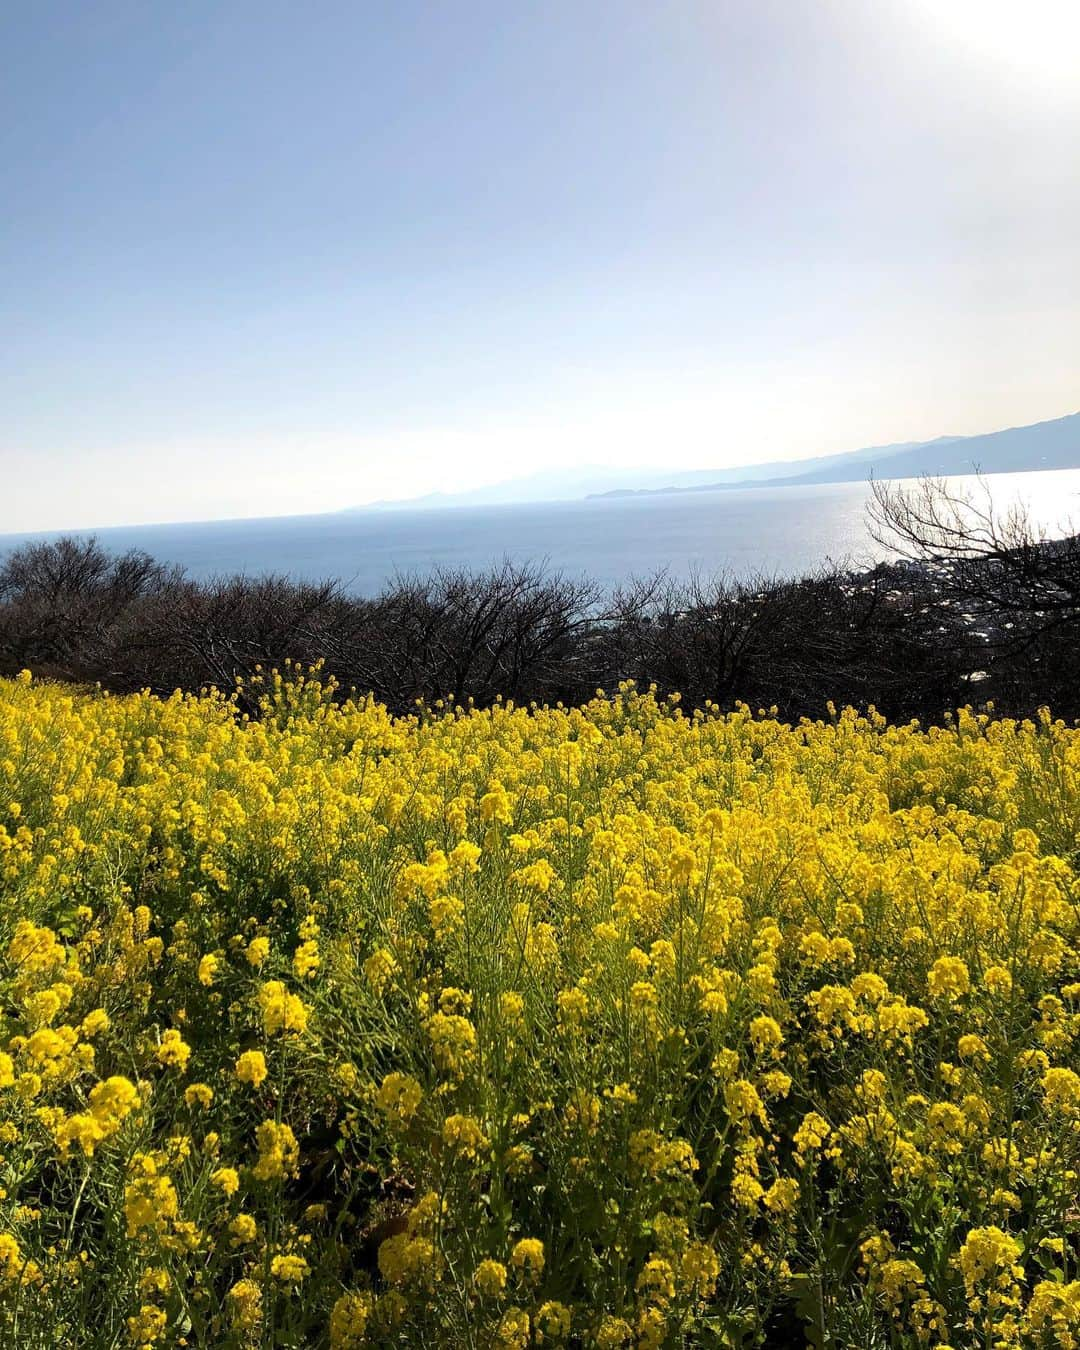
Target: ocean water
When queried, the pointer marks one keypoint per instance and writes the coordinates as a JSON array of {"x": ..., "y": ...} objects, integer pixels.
[{"x": 742, "y": 532}]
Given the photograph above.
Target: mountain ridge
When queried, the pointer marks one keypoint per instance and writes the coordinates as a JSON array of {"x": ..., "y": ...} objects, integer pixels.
[{"x": 1053, "y": 443}]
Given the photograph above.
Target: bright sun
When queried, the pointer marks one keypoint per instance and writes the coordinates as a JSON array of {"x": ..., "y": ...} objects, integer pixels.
[{"x": 1037, "y": 40}]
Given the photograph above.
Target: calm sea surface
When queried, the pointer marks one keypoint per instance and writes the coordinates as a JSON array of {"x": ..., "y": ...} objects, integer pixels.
[{"x": 742, "y": 531}]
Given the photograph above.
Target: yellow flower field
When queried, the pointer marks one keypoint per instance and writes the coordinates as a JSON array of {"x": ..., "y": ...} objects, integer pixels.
[{"x": 605, "y": 1027}]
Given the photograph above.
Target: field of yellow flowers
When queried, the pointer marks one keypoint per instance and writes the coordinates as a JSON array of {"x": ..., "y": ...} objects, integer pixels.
[{"x": 612, "y": 1027}]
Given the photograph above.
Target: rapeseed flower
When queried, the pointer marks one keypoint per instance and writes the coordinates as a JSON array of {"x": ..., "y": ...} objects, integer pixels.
[
  {"x": 666, "y": 989},
  {"x": 251, "y": 1067}
]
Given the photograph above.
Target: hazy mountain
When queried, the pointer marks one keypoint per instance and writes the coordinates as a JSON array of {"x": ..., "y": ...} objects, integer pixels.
[
  {"x": 547, "y": 485},
  {"x": 1045, "y": 445}
]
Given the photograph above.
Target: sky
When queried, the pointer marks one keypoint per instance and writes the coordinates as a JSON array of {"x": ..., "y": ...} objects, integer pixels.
[{"x": 268, "y": 258}]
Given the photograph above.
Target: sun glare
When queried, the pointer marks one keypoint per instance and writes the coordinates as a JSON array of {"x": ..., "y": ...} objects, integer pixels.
[{"x": 1038, "y": 40}]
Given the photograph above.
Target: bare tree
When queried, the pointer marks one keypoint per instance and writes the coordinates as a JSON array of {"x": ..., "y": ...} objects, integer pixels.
[
  {"x": 979, "y": 554},
  {"x": 1016, "y": 589},
  {"x": 514, "y": 630},
  {"x": 970, "y": 596},
  {"x": 64, "y": 606}
]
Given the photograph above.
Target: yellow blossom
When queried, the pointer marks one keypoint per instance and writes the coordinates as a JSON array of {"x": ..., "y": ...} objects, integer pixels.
[
  {"x": 251, "y": 1067},
  {"x": 490, "y": 1278}
]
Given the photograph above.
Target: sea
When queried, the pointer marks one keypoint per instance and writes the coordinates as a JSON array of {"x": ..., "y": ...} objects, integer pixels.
[{"x": 739, "y": 532}]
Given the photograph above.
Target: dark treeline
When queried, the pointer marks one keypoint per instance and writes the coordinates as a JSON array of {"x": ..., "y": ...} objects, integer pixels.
[{"x": 976, "y": 608}]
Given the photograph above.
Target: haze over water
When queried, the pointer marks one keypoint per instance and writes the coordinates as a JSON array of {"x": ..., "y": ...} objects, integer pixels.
[{"x": 742, "y": 532}]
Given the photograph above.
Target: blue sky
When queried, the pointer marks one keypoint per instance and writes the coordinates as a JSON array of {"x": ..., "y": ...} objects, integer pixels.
[{"x": 265, "y": 258}]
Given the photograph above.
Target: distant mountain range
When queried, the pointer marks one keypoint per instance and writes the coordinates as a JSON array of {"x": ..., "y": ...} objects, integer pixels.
[{"x": 1044, "y": 445}]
